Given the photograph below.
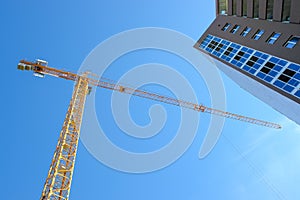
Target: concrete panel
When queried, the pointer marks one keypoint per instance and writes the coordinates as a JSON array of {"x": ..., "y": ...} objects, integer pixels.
[
  {"x": 262, "y": 9},
  {"x": 239, "y": 8},
  {"x": 250, "y": 8},
  {"x": 217, "y": 7},
  {"x": 295, "y": 12},
  {"x": 277, "y": 10}
]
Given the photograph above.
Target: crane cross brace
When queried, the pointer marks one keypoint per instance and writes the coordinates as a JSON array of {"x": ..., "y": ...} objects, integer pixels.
[
  {"x": 40, "y": 67},
  {"x": 59, "y": 179}
]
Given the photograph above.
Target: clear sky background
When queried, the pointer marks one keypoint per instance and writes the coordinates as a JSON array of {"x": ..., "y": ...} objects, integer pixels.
[{"x": 248, "y": 162}]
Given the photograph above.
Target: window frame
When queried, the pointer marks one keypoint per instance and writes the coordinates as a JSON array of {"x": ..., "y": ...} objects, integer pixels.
[
  {"x": 235, "y": 29},
  {"x": 290, "y": 42},
  {"x": 273, "y": 38},
  {"x": 226, "y": 27},
  {"x": 246, "y": 31},
  {"x": 257, "y": 35}
]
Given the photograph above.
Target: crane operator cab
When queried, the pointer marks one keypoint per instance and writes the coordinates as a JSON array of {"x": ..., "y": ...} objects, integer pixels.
[{"x": 43, "y": 63}]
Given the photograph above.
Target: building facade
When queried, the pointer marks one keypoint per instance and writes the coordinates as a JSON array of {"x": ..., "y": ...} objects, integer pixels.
[{"x": 257, "y": 44}]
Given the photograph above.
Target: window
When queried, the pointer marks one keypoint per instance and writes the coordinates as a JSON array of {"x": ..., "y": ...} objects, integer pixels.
[
  {"x": 284, "y": 78},
  {"x": 228, "y": 51},
  {"x": 213, "y": 44},
  {"x": 239, "y": 55},
  {"x": 245, "y": 8},
  {"x": 289, "y": 72},
  {"x": 298, "y": 93},
  {"x": 255, "y": 9},
  {"x": 272, "y": 39},
  {"x": 276, "y": 71},
  {"x": 267, "y": 68},
  {"x": 252, "y": 61},
  {"x": 270, "y": 9},
  {"x": 223, "y": 7},
  {"x": 286, "y": 75},
  {"x": 258, "y": 34},
  {"x": 270, "y": 65},
  {"x": 245, "y": 31},
  {"x": 294, "y": 67},
  {"x": 219, "y": 47},
  {"x": 235, "y": 29},
  {"x": 286, "y": 10},
  {"x": 227, "y": 25},
  {"x": 292, "y": 42}
]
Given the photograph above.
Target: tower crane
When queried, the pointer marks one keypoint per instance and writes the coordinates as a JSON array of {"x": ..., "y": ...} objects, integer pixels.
[{"x": 59, "y": 178}]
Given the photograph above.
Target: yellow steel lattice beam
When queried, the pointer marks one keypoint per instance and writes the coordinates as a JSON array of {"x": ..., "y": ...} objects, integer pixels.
[{"x": 59, "y": 179}]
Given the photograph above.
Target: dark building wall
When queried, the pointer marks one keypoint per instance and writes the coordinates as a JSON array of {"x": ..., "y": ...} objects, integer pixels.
[
  {"x": 295, "y": 11},
  {"x": 286, "y": 29},
  {"x": 279, "y": 7},
  {"x": 277, "y": 64},
  {"x": 277, "y": 10}
]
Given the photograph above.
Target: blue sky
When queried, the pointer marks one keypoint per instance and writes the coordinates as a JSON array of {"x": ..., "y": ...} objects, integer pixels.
[{"x": 248, "y": 162}]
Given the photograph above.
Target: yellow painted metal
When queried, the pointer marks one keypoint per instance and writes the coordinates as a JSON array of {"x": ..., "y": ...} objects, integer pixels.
[
  {"x": 112, "y": 85},
  {"x": 59, "y": 179}
]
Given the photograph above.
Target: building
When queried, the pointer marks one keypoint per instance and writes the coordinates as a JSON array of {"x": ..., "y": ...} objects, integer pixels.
[{"x": 256, "y": 43}]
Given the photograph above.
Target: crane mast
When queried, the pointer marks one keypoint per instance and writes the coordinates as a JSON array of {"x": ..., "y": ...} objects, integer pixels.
[
  {"x": 59, "y": 179},
  {"x": 58, "y": 182}
]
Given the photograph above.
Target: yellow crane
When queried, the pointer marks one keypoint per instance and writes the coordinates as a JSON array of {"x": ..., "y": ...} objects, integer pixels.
[{"x": 58, "y": 182}]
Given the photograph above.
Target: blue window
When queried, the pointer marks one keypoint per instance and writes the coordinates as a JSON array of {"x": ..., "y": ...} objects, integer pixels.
[
  {"x": 250, "y": 51},
  {"x": 234, "y": 62},
  {"x": 202, "y": 45},
  {"x": 258, "y": 54},
  {"x": 246, "y": 55},
  {"x": 246, "y": 31},
  {"x": 260, "y": 61},
  {"x": 274, "y": 60},
  {"x": 227, "y": 25},
  {"x": 291, "y": 43},
  {"x": 254, "y": 62},
  {"x": 256, "y": 66},
  {"x": 294, "y": 67},
  {"x": 293, "y": 82},
  {"x": 235, "y": 29},
  {"x": 297, "y": 76},
  {"x": 258, "y": 34},
  {"x": 268, "y": 78},
  {"x": 246, "y": 68},
  {"x": 239, "y": 64},
  {"x": 277, "y": 68},
  {"x": 282, "y": 62},
  {"x": 265, "y": 56},
  {"x": 288, "y": 88},
  {"x": 298, "y": 93},
  {"x": 272, "y": 39},
  {"x": 279, "y": 84},
  {"x": 273, "y": 73},
  {"x": 223, "y": 57},
  {"x": 261, "y": 75},
  {"x": 252, "y": 71}
]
